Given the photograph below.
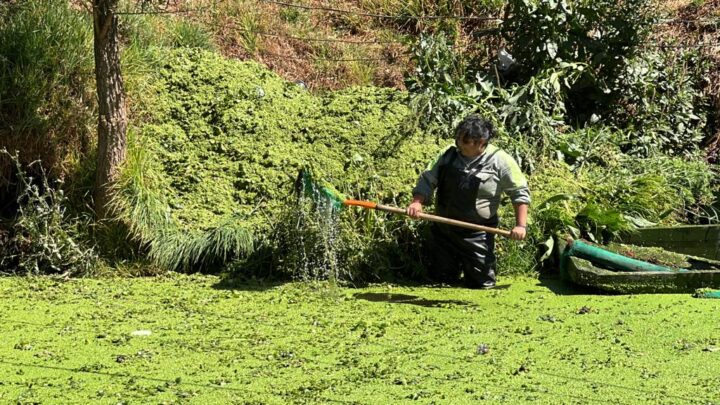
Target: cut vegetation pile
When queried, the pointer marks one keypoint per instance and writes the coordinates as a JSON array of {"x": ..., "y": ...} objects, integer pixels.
[{"x": 219, "y": 158}]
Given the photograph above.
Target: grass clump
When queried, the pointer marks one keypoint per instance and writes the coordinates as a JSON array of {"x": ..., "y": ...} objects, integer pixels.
[{"x": 46, "y": 84}]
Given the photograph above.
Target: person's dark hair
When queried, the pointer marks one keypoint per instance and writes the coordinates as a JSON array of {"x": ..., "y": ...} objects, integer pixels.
[{"x": 474, "y": 128}]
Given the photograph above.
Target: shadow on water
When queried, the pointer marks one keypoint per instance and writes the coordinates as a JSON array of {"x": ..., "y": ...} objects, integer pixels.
[
  {"x": 564, "y": 287},
  {"x": 242, "y": 283},
  {"x": 699, "y": 264},
  {"x": 410, "y": 299}
]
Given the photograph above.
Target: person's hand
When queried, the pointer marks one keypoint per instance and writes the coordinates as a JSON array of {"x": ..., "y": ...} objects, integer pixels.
[
  {"x": 518, "y": 233},
  {"x": 414, "y": 210}
]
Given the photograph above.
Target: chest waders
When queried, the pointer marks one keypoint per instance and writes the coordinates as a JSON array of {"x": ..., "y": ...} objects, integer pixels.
[{"x": 456, "y": 249}]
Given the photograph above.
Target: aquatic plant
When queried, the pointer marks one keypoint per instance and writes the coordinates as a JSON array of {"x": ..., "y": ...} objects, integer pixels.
[{"x": 225, "y": 142}]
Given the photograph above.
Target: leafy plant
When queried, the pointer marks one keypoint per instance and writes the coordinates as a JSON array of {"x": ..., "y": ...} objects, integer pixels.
[
  {"x": 43, "y": 238},
  {"x": 662, "y": 104},
  {"x": 442, "y": 94},
  {"x": 535, "y": 112},
  {"x": 601, "y": 33},
  {"x": 602, "y": 202}
]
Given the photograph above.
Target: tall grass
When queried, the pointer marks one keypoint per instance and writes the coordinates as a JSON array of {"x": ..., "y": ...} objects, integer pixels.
[
  {"x": 140, "y": 204},
  {"x": 46, "y": 82},
  {"x": 437, "y": 7}
]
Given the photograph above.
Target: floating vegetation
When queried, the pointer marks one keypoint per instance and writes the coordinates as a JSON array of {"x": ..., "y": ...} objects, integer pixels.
[{"x": 224, "y": 144}]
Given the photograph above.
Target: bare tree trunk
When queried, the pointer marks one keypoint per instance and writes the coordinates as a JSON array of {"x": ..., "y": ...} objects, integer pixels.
[{"x": 112, "y": 123}]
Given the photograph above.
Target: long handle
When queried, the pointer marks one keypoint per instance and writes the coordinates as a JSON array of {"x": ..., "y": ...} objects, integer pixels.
[{"x": 428, "y": 217}]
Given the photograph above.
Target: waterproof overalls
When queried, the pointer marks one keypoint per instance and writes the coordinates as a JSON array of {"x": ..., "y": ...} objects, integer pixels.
[{"x": 455, "y": 249}]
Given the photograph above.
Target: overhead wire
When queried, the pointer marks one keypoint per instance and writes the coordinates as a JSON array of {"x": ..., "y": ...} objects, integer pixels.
[
  {"x": 394, "y": 16},
  {"x": 681, "y": 46},
  {"x": 382, "y": 16},
  {"x": 379, "y": 42},
  {"x": 687, "y": 20},
  {"x": 320, "y": 58},
  {"x": 160, "y": 12},
  {"x": 315, "y": 39}
]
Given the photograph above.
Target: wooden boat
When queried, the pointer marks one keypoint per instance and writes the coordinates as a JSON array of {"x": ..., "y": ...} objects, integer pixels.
[{"x": 701, "y": 243}]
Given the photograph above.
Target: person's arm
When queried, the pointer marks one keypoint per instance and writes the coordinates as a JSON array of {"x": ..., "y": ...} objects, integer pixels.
[
  {"x": 426, "y": 184},
  {"x": 514, "y": 184},
  {"x": 415, "y": 208},
  {"x": 519, "y": 231}
]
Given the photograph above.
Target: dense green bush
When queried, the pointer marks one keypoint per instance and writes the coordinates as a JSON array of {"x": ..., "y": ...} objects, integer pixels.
[
  {"x": 599, "y": 33},
  {"x": 442, "y": 92},
  {"x": 662, "y": 104},
  {"x": 602, "y": 201}
]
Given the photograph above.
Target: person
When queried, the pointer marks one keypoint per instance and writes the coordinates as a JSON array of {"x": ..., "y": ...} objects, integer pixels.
[{"x": 469, "y": 178}]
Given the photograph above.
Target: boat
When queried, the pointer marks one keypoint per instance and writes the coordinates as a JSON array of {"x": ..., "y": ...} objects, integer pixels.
[{"x": 700, "y": 243}]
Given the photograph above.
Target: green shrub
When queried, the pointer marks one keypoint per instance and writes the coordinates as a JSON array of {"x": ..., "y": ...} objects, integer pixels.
[
  {"x": 534, "y": 113},
  {"x": 662, "y": 103},
  {"x": 44, "y": 239},
  {"x": 600, "y": 202},
  {"x": 599, "y": 33},
  {"x": 442, "y": 94}
]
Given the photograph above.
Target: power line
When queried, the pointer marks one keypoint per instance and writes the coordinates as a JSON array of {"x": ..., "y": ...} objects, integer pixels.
[
  {"x": 390, "y": 16},
  {"x": 161, "y": 12},
  {"x": 682, "y": 46},
  {"x": 324, "y": 59},
  {"x": 685, "y": 20},
  {"x": 385, "y": 16},
  {"x": 308, "y": 39}
]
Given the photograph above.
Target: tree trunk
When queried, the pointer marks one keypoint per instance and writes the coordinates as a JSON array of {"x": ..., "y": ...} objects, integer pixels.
[{"x": 112, "y": 122}]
